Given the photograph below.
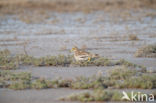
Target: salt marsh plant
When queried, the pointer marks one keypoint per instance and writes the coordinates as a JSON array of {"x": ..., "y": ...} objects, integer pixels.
[
  {"x": 7, "y": 61},
  {"x": 15, "y": 81},
  {"x": 126, "y": 63},
  {"x": 146, "y": 51},
  {"x": 133, "y": 37},
  {"x": 144, "y": 82},
  {"x": 130, "y": 78},
  {"x": 100, "y": 95},
  {"x": 60, "y": 60},
  {"x": 101, "y": 61},
  {"x": 96, "y": 95},
  {"x": 20, "y": 85},
  {"x": 43, "y": 83},
  {"x": 119, "y": 77},
  {"x": 89, "y": 82},
  {"x": 39, "y": 84},
  {"x": 129, "y": 64},
  {"x": 122, "y": 73}
]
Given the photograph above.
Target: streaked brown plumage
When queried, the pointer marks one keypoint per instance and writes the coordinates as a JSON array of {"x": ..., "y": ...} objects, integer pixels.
[{"x": 80, "y": 55}]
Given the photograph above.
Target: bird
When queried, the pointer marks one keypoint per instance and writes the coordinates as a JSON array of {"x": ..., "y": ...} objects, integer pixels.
[{"x": 80, "y": 55}]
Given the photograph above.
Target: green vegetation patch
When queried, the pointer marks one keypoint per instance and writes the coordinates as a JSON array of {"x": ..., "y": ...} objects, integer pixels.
[
  {"x": 144, "y": 82},
  {"x": 129, "y": 64},
  {"x": 133, "y": 37},
  {"x": 43, "y": 83},
  {"x": 122, "y": 73},
  {"x": 24, "y": 80},
  {"x": 96, "y": 95},
  {"x": 119, "y": 77},
  {"x": 131, "y": 78},
  {"x": 20, "y": 85},
  {"x": 101, "y": 61},
  {"x": 101, "y": 95},
  {"x": 12, "y": 80},
  {"x": 146, "y": 51},
  {"x": 59, "y": 60},
  {"x": 89, "y": 82},
  {"x": 8, "y": 62}
]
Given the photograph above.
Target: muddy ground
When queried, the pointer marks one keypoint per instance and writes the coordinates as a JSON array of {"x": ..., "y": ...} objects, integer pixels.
[{"x": 54, "y": 27}]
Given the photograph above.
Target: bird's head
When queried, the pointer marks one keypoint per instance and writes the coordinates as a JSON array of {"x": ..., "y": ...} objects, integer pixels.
[{"x": 74, "y": 49}]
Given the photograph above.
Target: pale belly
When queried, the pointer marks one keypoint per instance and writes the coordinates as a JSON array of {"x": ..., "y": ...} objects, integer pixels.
[{"x": 80, "y": 59}]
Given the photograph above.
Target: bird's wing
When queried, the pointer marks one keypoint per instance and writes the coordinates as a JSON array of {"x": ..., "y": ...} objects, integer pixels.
[
  {"x": 82, "y": 56},
  {"x": 84, "y": 53}
]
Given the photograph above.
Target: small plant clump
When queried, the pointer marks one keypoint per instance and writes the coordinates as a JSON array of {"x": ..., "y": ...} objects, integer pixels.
[
  {"x": 119, "y": 77},
  {"x": 103, "y": 62},
  {"x": 100, "y": 95},
  {"x": 59, "y": 60},
  {"x": 15, "y": 80},
  {"x": 122, "y": 73},
  {"x": 133, "y": 37},
  {"x": 144, "y": 81},
  {"x": 130, "y": 78},
  {"x": 7, "y": 61},
  {"x": 89, "y": 82},
  {"x": 126, "y": 63},
  {"x": 24, "y": 80},
  {"x": 39, "y": 84},
  {"x": 8, "y": 75},
  {"x": 95, "y": 62},
  {"x": 43, "y": 83},
  {"x": 146, "y": 51},
  {"x": 129, "y": 64},
  {"x": 13, "y": 62},
  {"x": 20, "y": 85},
  {"x": 96, "y": 95}
]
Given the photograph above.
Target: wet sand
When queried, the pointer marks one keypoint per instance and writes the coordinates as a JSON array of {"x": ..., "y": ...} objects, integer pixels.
[{"x": 35, "y": 96}]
